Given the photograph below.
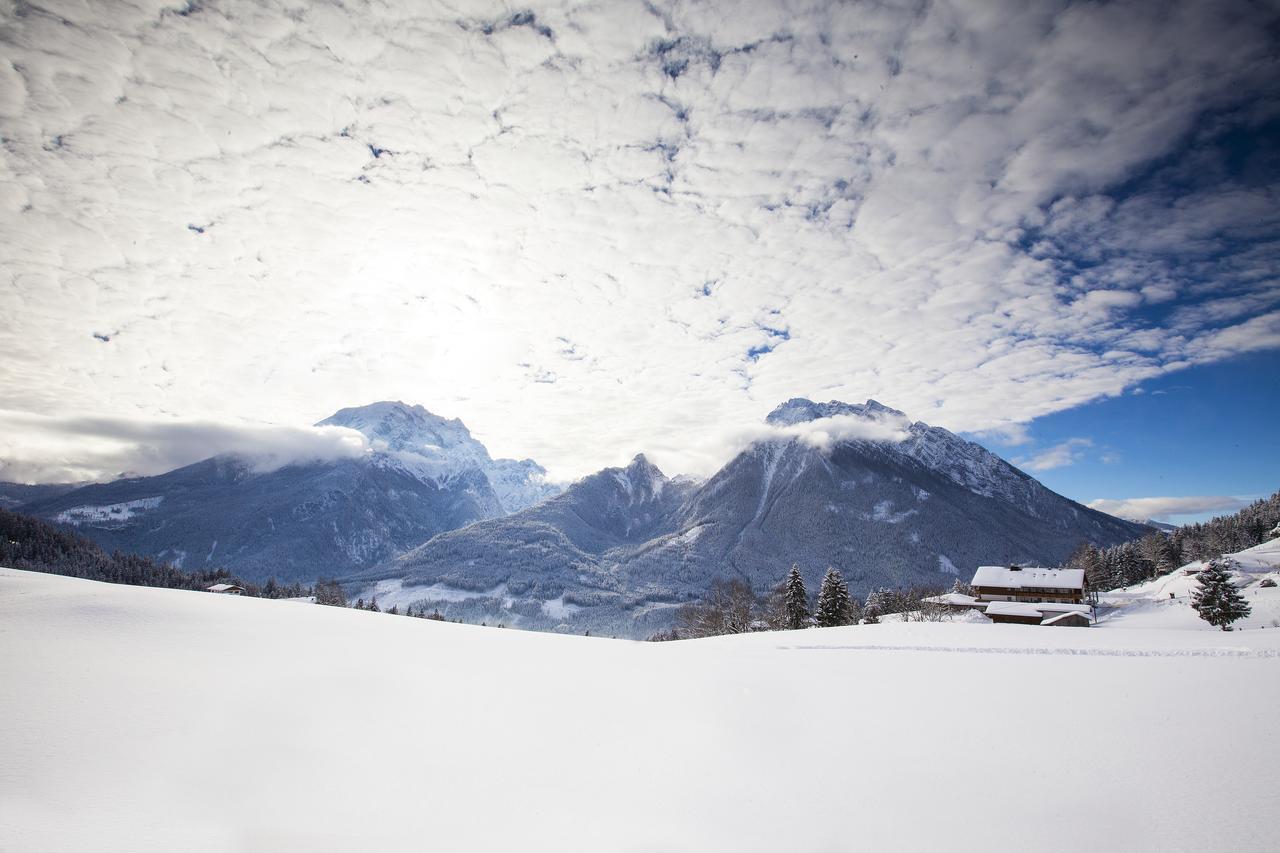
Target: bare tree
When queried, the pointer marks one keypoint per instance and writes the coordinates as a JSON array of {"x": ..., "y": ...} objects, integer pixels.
[{"x": 726, "y": 609}]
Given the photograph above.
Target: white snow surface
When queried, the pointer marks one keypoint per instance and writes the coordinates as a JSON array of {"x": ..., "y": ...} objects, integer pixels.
[
  {"x": 1028, "y": 578},
  {"x": 394, "y": 593},
  {"x": 1165, "y": 602},
  {"x": 108, "y": 513},
  {"x": 143, "y": 720}
]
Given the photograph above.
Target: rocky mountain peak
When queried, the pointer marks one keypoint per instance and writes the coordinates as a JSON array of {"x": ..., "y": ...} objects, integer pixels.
[
  {"x": 396, "y": 426},
  {"x": 801, "y": 410}
]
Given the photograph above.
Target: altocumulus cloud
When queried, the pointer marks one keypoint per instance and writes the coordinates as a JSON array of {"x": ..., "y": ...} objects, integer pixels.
[
  {"x": 592, "y": 228},
  {"x": 75, "y": 449}
]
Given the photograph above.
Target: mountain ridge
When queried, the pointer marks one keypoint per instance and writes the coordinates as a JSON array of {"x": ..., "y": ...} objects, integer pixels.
[
  {"x": 422, "y": 475},
  {"x": 859, "y": 486}
]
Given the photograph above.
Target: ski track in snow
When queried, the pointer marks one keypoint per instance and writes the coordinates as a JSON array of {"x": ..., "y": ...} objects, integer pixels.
[{"x": 1025, "y": 650}]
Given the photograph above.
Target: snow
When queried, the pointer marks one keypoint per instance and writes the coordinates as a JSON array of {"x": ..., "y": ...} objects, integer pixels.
[
  {"x": 946, "y": 566},
  {"x": 394, "y": 593},
  {"x": 1165, "y": 602},
  {"x": 1029, "y": 578},
  {"x": 1053, "y": 620},
  {"x": 1014, "y": 608},
  {"x": 108, "y": 513},
  {"x": 957, "y": 599},
  {"x": 437, "y": 450},
  {"x": 558, "y": 608},
  {"x": 150, "y": 720},
  {"x": 883, "y": 511}
]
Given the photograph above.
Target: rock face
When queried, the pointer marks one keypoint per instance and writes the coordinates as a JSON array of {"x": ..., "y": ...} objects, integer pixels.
[
  {"x": 422, "y": 475},
  {"x": 440, "y": 450},
  {"x": 618, "y": 551}
]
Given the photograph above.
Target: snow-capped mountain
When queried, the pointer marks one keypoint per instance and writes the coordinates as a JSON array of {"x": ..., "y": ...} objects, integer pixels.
[
  {"x": 888, "y": 501},
  {"x": 421, "y": 475},
  {"x": 440, "y": 450}
]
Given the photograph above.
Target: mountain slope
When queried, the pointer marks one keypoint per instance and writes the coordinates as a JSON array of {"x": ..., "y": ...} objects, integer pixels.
[
  {"x": 421, "y": 476},
  {"x": 919, "y": 506},
  {"x": 14, "y": 495}
]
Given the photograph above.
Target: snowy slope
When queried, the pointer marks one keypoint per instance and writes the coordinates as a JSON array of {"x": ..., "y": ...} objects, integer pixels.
[
  {"x": 1165, "y": 602},
  {"x": 154, "y": 720}
]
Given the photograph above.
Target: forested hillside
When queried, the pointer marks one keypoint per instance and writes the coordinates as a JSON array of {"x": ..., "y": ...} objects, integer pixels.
[
  {"x": 35, "y": 545},
  {"x": 1160, "y": 553}
]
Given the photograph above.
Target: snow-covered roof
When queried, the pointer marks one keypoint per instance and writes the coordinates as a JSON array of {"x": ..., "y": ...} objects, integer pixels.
[
  {"x": 221, "y": 587},
  {"x": 1048, "y": 609},
  {"x": 1029, "y": 578},
  {"x": 1049, "y": 620},
  {"x": 1013, "y": 608},
  {"x": 956, "y": 598}
]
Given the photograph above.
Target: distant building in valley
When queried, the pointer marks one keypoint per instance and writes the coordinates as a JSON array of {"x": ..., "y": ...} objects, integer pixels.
[{"x": 226, "y": 589}]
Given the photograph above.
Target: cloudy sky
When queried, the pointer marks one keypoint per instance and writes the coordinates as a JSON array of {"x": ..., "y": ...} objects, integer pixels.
[{"x": 589, "y": 229}]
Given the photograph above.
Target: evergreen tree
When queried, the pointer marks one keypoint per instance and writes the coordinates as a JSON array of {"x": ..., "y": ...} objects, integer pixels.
[
  {"x": 1217, "y": 600},
  {"x": 330, "y": 592},
  {"x": 834, "y": 606},
  {"x": 797, "y": 600},
  {"x": 373, "y": 605},
  {"x": 877, "y": 605}
]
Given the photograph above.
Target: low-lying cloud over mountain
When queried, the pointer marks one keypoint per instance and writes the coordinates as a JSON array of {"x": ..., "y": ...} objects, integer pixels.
[
  {"x": 75, "y": 449},
  {"x": 367, "y": 483}
]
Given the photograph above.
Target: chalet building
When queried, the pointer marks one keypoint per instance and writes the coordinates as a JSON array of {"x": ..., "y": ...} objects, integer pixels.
[
  {"x": 1032, "y": 596},
  {"x": 226, "y": 589},
  {"x": 1015, "y": 583}
]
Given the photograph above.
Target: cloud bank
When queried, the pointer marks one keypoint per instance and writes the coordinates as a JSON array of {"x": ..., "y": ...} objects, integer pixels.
[
  {"x": 1161, "y": 509},
  {"x": 592, "y": 228},
  {"x": 37, "y": 449}
]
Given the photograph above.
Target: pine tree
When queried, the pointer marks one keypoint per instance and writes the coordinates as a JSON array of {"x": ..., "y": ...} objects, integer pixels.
[
  {"x": 1217, "y": 600},
  {"x": 877, "y": 605},
  {"x": 797, "y": 600},
  {"x": 834, "y": 606}
]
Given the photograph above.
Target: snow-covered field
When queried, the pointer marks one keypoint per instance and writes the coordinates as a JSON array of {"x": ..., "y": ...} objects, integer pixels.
[
  {"x": 1165, "y": 602},
  {"x": 136, "y": 719}
]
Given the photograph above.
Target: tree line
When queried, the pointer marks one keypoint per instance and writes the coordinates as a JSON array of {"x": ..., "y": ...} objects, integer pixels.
[
  {"x": 35, "y": 545},
  {"x": 1159, "y": 553},
  {"x": 731, "y": 606}
]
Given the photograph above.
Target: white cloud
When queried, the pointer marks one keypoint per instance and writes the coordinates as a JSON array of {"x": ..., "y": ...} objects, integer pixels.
[
  {"x": 1160, "y": 509},
  {"x": 602, "y": 228},
  {"x": 1060, "y": 455},
  {"x": 75, "y": 449}
]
